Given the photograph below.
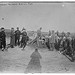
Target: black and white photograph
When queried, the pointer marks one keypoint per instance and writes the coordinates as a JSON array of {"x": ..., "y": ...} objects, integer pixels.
[{"x": 37, "y": 37}]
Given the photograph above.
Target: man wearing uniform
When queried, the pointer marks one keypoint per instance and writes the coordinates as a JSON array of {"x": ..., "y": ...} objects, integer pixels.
[
  {"x": 73, "y": 45},
  {"x": 3, "y": 38},
  {"x": 52, "y": 40},
  {"x": 39, "y": 32},
  {"x": 17, "y": 36},
  {"x": 0, "y": 40},
  {"x": 24, "y": 39},
  {"x": 56, "y": 41},
  {"x": 38, "y": 35}
]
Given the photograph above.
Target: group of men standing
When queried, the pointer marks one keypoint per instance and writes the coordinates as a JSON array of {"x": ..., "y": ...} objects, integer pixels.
[
  {"x": 64, "y": 43},
  {"x": 53, "y": 41},
  {"x": 17, "y": 37}
]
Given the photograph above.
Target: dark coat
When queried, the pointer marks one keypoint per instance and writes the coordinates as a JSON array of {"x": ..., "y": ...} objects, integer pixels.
[
  {"x": 2, "y": 39},
  {"x": 73, "y": 43},
  {"x": 3, "y": 36},
  {"x": 12, "y": 38},
  {"x": 24, "y": 37},
  {"x": 17, "y": 34}
]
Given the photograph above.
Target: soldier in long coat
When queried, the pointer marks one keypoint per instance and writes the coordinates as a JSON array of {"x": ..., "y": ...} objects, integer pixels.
[
  {"x": 39, "y": 35},
  {"x": 3, "y": 39},
  {"x": 0, "y": 40},
  {"x": 17, "y": 36},
  {"x": 52, "y": 40},
  {"x": 12, "y": 38}
]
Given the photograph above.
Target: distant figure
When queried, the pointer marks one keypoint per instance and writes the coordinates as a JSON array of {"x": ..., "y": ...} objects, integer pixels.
[
  {"x": 12, "y": 38},
  {"x": 39, "y": 32},
  {"x": 73, "y": 44},
  {"x": 34, "y": 35},
  {"x": 47, "y": 40},
  {"x": 57, "y": 41},
  {"x": 34, "y": 64},
  {"x": 69, "y": 36},
  {"x": 38, "y": 35},
  {"x": 17, "y": 36},
  {"x": 0, "y": 40},
  {"x": 49, "y": 33},
  {"x": 52, "y": 41},
  {"x": 3, "y": 39}
]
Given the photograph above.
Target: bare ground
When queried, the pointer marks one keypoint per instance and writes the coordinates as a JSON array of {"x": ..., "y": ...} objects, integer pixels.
[{"x": 15, "y": 60}]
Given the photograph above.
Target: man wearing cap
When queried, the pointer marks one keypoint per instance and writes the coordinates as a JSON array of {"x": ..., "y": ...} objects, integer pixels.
[
  {"x": 38, "y": 35},
  {"x": 3, "y": 38},
  {"x": 17, "y": 36},
  {"x": 24, "y": 39}
]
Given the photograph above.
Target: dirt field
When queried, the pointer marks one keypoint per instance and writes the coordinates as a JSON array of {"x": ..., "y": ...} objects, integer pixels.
[{"x": 16, "y": 60}]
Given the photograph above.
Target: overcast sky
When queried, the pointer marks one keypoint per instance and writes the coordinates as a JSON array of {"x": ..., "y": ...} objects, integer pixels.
[{"x": 49, "y": 16}]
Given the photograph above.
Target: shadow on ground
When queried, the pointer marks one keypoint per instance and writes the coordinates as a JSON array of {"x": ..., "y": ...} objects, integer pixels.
[{"x": 34, "y": 65}]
